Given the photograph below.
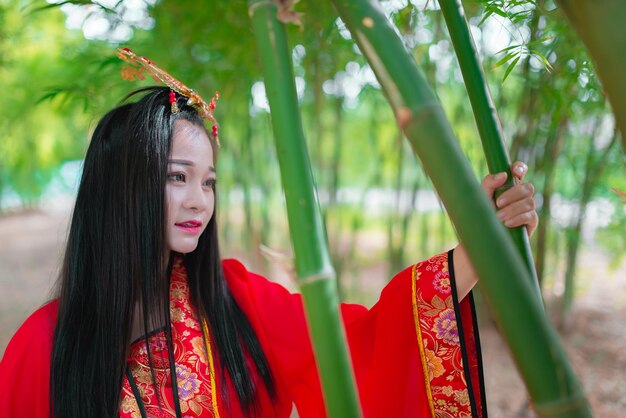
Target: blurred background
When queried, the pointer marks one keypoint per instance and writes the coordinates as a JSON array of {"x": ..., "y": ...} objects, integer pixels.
[{"x": 59, "y": 75}]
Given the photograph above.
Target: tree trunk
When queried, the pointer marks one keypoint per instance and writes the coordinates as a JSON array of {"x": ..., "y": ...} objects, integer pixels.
[
  {"x": 593, "y": 170},
  {"x": 393, "y": 245},
  {"x": 336, "y": 248},
  {"x": 551, "y": 152}
]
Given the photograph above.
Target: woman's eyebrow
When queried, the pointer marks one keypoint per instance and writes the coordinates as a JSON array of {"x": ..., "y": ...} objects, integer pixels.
[
  {"x": 181, "y": 162},
  {"x": 188, "y": 163}
]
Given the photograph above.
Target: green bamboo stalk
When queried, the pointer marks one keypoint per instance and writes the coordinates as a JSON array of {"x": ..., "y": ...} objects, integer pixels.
[
  {"x": 315, "y": 273},
  {"x": 600, "y": 25},
  {"x": 543, "y": 364},
  {"x": 487, "y": 121}
]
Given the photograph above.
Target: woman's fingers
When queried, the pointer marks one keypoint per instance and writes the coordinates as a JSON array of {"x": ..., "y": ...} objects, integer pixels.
[
  {"x": 516, "y": 209},
  {"x": 519, "y": 170},
  {"x": 528, "y": 219},
  {"x": 492, "y": 181},
  {"x": 515, "y": 206},
  {"x": 516, "y": 193}
]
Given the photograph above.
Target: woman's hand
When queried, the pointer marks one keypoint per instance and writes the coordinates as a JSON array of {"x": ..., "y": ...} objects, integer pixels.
[{"x": 515, "y": 207}]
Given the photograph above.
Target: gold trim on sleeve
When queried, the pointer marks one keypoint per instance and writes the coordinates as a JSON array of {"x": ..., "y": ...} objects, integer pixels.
[
  {"x": 207, "y": 340},
  {"x": 420, "y": 341}
]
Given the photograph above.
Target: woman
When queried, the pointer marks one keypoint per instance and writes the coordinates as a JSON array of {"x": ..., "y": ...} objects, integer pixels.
[{"x": 145, "y": 304}]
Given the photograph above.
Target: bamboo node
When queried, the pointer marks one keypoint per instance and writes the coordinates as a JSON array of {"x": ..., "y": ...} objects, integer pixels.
[
  {"x": 368, "y": 22},
  {"x": 403, "y": 116},
  {"x": 312, "y": 278},
  {"x": 575, "y": 404}
]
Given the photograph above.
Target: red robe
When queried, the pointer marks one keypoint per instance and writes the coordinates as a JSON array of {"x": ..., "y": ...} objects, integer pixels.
[{"x": 415, "y": 353}]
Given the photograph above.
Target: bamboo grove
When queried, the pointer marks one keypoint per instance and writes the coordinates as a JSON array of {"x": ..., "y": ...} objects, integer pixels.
[
  {"x": 553, "y": 387},
  {"x": 540, "y": 109}
]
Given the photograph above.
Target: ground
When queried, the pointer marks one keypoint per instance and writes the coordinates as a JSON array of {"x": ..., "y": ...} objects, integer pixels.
[{"x": 31, "y": 245}]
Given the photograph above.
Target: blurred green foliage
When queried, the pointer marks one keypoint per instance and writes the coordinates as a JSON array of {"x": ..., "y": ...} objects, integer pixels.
[{"x": 57, "y": 84}]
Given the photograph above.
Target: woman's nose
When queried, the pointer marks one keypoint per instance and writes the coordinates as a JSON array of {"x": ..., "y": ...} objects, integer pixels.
[{"x": 197, "y": 198}]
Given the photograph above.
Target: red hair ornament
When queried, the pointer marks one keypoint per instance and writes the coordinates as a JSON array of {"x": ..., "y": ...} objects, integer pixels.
[{"x": 141, "y": 65}]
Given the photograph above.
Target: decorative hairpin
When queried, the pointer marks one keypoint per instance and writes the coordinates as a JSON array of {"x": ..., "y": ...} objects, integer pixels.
[{"x": 140, "y": 64}]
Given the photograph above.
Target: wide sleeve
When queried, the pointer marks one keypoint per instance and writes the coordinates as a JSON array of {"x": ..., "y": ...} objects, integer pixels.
[
  {"x": 25, "y": 367},
  {"x": 277, "y": 317},
  {"x": 414, "y": 353}
]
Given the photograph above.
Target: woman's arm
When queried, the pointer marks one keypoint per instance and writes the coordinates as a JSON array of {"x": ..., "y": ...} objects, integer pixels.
[{"x": 515, "y": 207}]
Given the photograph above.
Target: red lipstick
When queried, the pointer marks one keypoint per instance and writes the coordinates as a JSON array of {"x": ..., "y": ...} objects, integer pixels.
[{"x": 191, "y": 226}]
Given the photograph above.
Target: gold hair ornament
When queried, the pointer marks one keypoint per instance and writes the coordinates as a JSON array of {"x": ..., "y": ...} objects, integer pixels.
[{"x": 140, "y": 64}]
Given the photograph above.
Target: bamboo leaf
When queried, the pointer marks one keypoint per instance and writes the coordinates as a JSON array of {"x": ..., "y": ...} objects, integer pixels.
[
  {"x": 498, "y": 11},
  {"x": 488, "y": 13},
  {"x": 52, "y": 94},
  {"x": 506, "y": 58},
  {"x": 510, "y": 48},
  {"x": 543, "y": 59},
  {"x": 541, "y": 40},
  {"x": 510, "y": 68},
  {"x": 55, "y": 5}
]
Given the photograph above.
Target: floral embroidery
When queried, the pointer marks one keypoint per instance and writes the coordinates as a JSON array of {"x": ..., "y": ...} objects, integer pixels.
[
  {"x": 442, "y": 282},
  {"x": 192, "y": 323},
  {"x": 188, "y": 383},
  {"x": 461, "y": 396},
  {"x": 445, "y": 327},
  {"x": 177, "y": 315},
  {"x": 158, "y": 345},
  {"x": 192, "y": 370},
  {"x": 435, "y": 366},
  {"x": 129, "y": 405},
  {"x": 198, "y": 348},
  {"x": 441, "y": 344},
  {"x": 178, "y": 293}
]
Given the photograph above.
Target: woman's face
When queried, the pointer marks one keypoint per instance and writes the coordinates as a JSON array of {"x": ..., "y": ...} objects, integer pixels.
[{"x": 190, "y": 187}]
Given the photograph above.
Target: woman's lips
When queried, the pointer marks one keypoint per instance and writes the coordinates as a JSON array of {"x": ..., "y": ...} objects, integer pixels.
[{"x": 191, "y": 227}]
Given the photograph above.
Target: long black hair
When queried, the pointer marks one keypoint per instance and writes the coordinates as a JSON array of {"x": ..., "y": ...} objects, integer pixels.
[{"x": 114, "y": 260}]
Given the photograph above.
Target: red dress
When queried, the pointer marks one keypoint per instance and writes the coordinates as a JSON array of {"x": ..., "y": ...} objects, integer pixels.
[{"x": 415, "y": 353}]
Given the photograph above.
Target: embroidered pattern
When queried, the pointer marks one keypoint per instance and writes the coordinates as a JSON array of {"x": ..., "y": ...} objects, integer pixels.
[
  {"x": 438, "y": 338},
  {"x": 192, "y": 368}
]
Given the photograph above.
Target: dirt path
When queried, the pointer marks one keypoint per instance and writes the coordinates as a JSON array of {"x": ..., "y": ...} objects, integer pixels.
[{"x": 31, "y": 245}]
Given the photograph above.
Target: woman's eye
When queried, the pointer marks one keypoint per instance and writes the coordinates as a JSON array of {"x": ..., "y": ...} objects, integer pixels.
[
  {"x": 210, "y": 183},
  {"x": 177, "y": 177}
]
